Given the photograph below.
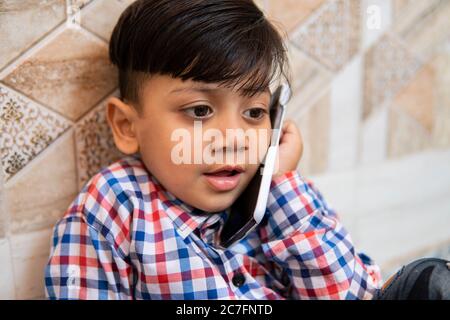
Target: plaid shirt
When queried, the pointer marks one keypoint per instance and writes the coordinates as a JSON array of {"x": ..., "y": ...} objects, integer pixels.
[{"x": 126, "y": 237}]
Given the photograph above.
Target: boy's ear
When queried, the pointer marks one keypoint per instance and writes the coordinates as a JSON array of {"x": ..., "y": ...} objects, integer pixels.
[{"x": 122, "y": 119}]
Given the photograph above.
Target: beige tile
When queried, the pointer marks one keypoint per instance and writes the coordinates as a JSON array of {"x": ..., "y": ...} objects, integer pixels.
[
  {"x": 27, "y": 129},
  {"x": 37, "y": 197},
  {"x": 7, "y": 290},
  {"x": 289, "y": 13},
  {"x": 441, "y": 133},
  {"x": 332, "y": 34},
  {"x": 262, "y": 5},
  {"x": 30, "y": 253},
  {"x": 102, "y": 15},
  {"x": 4, "y": 219},
  {"x": 25, "y": 22},
  {"x": 309, "y": 79},
  {"x": 405, "y": 135},
  {"x": 389, "y": 66},
  {"x": 95, "y": 144},
  {"x": 424, "y": 25},
  {"x": 70, "y": 74},
  {"x": 417, "y": 98},
  {"x": 314, "y": 126}
]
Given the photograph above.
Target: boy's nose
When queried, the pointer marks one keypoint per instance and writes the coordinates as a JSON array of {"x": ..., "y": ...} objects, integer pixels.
[{"x": 233, "y": 133}]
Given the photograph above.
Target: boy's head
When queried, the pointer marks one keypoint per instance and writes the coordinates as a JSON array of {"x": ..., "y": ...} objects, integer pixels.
[{"x": 189, "y": 62}]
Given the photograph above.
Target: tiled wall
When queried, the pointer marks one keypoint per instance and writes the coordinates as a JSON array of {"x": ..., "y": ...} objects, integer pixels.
[{"x": 371, "y": 97}]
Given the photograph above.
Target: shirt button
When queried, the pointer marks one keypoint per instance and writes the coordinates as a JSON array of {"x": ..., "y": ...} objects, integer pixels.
[{"x": 238, "y": 279}]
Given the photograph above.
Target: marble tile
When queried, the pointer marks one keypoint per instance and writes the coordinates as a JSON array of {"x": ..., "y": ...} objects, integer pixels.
[
  {"x": 373, "y": 138},
  {"x": 423, "y": 25},
  {"x": 94, "y": 143},
  {"x": 400, "y": 205},
  {"x": 388, "y": 67},
  {"x": 289, "y": 13},
  {"x": 309, "y": 80},
  {"x": 332, "y": 34},
  {"x": 346, "y": 99},
  {"x": 314, "y": 128},
  {"x": 417, "y": 98},
  {"x": 7, "y": 290},
  {"x": 27, "y": 129},
  {"x": 70, "y": 74},
  {"x": 30, "y": 253},
  {"x": 394, "y": 234},
  {"x": 25, "y": 22},
  {"x": 38, "y": 196},
  {"x": 103, "y": 24},
  {"x": 405, "y": 135}
]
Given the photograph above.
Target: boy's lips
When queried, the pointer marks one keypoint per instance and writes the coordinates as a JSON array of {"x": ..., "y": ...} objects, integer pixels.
[{"x": 225, "y": 178}]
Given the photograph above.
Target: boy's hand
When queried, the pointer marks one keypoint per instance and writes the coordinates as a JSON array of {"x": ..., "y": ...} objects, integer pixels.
[{"x": 290, "y": 149}]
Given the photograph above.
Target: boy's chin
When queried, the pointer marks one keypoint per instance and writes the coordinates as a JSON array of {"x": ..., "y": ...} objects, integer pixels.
[{"x": 217, "y": 203}]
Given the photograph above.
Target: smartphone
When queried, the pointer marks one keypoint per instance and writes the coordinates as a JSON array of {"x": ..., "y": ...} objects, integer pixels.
[{"x": 249, "y": 209}]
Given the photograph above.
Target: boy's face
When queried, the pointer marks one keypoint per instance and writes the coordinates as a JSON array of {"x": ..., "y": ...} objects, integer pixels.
[{"x": 172, "y": 110}]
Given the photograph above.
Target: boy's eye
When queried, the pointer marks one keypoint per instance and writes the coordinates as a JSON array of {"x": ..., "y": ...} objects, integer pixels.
[
  {"x": 199, "y": 112},
  {"x": 255, "y": 113}
]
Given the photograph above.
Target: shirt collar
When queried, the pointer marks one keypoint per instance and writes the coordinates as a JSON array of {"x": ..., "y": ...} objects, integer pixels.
[{"x": 185, "y": 217}]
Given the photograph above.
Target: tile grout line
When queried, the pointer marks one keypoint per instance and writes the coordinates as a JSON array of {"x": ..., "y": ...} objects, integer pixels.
[
  {"x": 47, "y": 39},
  {"x": 38, "y": 157}
]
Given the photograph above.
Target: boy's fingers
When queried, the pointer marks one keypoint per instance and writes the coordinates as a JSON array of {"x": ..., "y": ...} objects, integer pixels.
[{"x": 289, "y": 131}]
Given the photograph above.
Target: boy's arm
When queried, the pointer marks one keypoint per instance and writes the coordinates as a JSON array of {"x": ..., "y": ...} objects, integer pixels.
[
  {"x": 89, "y": 257},
  {"x": 304, "y": 236},
  {"x": 83, "y": 265}
]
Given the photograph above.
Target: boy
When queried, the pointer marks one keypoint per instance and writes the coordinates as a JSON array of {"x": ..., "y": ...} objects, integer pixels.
[{"x": 148, "y": 228}]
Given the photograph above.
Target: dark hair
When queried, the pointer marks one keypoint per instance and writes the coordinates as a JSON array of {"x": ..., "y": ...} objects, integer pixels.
[{"x": 214, "y": 41}]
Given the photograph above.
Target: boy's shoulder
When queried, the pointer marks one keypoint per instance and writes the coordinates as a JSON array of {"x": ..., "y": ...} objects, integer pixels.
[
  {"x": 111, "y": 193},
  {"x": 125, "y": 173}
]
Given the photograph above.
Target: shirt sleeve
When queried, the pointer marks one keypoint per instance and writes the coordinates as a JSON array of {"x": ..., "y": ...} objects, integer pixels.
[
  {"x": 83, "y": 265},
  {"x": 304, "y": 237}
]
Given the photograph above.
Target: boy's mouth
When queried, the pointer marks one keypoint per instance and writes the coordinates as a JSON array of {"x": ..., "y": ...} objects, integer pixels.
[{"x": 225, "y": 178}]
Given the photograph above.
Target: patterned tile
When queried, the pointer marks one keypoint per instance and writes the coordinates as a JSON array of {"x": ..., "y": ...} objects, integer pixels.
[
  {"x": 417, "y": 98},
  {"x": 103, "y": 24},
  {"x": 27, "y": 129},
  {"x": 314, "y": 127},
  {"x": 309, "y": 79},
  {"x": 70, "y": 74},
  {"x": 289, "y": 13},
  {"x": 332, "y": 34},
  {"x": 388, "y": 67},
  {"x": 24, "y": 22},
  {"x": 95, "y": 144},
  {"x": 46, "y": 187},
  {"x": 423, "y": 25},
  {"x": 405, "y": 135},
  {"x": 405, "y": 12}
]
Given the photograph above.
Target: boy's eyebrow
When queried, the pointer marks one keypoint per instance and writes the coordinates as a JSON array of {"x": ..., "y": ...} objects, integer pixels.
[
  {"x": 201, "y": 88},
  {"x": 204, "y": 88}
]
